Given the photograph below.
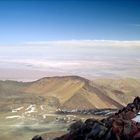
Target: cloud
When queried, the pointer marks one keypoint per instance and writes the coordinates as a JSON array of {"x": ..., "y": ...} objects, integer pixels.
[
  {"x": 42, "y": 64},
  {"x": 90, "y": 68},
  {"x": 86, "y": 43}
]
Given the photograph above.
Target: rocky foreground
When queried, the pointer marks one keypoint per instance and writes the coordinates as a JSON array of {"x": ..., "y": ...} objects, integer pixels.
[{"x": 123, "y": 125}]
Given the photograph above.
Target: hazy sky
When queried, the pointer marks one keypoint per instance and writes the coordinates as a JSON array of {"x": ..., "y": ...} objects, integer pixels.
[{"x": 62, "y": 37}]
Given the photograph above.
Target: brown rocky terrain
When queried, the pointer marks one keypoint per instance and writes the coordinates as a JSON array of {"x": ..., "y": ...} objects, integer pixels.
[
  {"x": 123, "y": 125},
  {"x": 70, "y": 92},
  {"x": 51, "y": 104}
]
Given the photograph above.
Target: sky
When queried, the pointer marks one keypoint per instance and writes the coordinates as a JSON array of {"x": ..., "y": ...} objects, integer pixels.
[
  {"x": 41, "y": 20},
  {"x": 91, "y": 38}
]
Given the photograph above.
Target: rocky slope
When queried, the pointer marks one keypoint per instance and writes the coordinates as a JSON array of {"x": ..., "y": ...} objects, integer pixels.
[
  {"x": 77, "y": 92},
  {"x": 52, "y": 103},
  {"x": 123, "y": 125},
  {"x": 69, "y": 93}
]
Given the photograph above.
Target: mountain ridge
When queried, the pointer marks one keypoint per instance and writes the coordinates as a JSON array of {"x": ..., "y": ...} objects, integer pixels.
[{"x": 74, "y": 92}]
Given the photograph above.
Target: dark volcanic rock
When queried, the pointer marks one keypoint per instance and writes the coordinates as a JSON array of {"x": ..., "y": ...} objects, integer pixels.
[{"x": 37, "y": 138}]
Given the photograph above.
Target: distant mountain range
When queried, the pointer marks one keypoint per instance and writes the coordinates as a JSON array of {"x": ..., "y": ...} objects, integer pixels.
[{"x": 69, "y": 93}]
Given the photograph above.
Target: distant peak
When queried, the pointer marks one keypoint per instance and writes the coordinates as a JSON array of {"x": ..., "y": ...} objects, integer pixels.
[{"x": 69, "y": 77}]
